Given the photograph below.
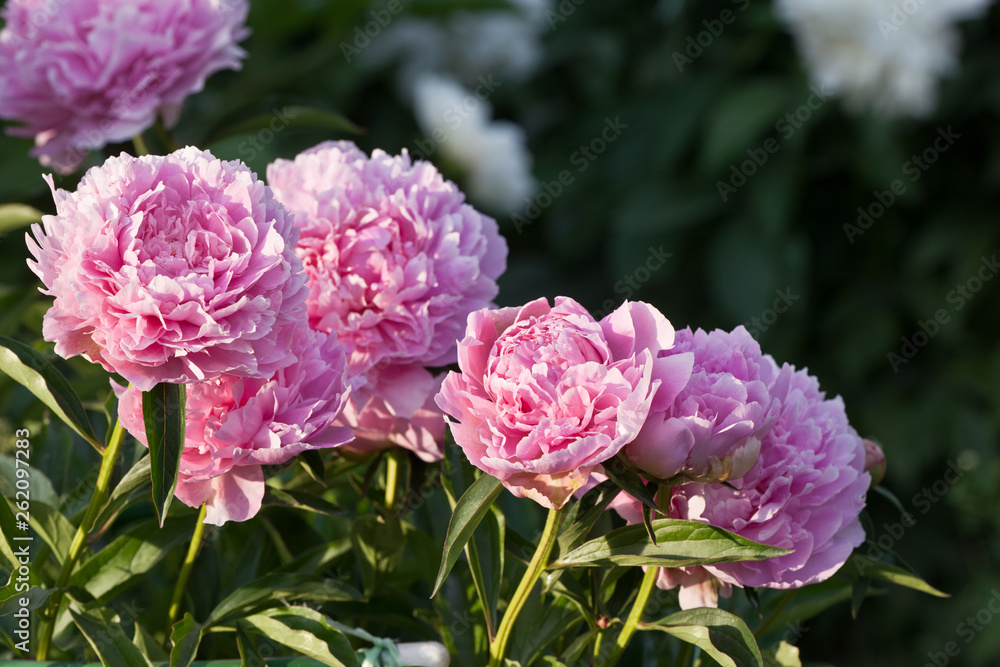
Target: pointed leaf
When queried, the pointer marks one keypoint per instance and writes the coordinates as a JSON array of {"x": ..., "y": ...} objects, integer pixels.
[
  {"x": 470, "y": 510},
  {"x": 109, "y": 642},
  {"x": 300, "y": 500},
  {"x": 274, "y": 589},
  {"x": 722, "y": 636},
  {"x": 679, "y": 544},
  {"x": 485, "y": 555},
  {"x": 876, "y": 569},
  {"x": 306, "y": 631},
  {"x": 135, "y": 552},
  {"x": 164, "y": 418},
  {"x": 28, "y": 367},
  {"x": 17, "y": 216},
  {"x": 619, "y": 471},
  {"x": 586, "y": 514},
  {"x": 184, "y": 638},
  {"x": 312, "y": 461},
  {"x": 133, "y": 486},
  {"x": 148, "y": 645}
]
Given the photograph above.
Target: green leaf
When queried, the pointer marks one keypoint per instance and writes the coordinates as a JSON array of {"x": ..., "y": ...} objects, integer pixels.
[
  {"x": 50, "y": 525},
  {"x": 300, "y": 500},
  {"x": 722, "y": 636},
  {"x": 135, "y": 552},
  {"x": 29, "y": 368},
  {"x": 875, "y": 569},
  {"x": 17, "y": 216},
  {"x": 306, "y": 631},
  {"x": 184, "y": 638},
  {"x": 109, "y": 642},
  {"x": 274, "y": 589},
  {"x": 10, "y": 597},
  {"x": 291, "y": 118},
  {"x": 782, "y": 655},
  {"x": 148, "y": 645},
  {"x": 164, "y": 418},
  {"x": 133, "y": 486},
  {"x": 586, "y": 514},
  {"x": 487, "y": 573},
  {"x": 380, "y": 545},
  {"x": 8, "y": 531},
  {"x": 312, "y": 461},
  {"x": 679, "y": 544},
  {"x": 620, "y": 472},
  {"x": 470, "y": 510}
]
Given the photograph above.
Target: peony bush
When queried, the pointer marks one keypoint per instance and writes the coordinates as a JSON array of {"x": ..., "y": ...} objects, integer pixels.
[{"x": 316, "y": 367}]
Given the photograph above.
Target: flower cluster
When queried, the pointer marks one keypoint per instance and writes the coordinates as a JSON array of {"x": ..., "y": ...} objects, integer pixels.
[
  {"x": 546, "y": 395},
  {"x": 396, "y": 261},
  {"x": 81, "y": 74}
]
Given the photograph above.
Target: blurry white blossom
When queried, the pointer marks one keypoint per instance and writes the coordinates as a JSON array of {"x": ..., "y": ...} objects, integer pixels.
[
  {"x": 506, "y": 44},
  {"x": 885, "y": 55},
  {"x": 493, "y": 154}
]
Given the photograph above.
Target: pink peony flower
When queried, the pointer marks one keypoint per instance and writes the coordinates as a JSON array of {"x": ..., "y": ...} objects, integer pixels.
[
  {"x": 397, "y": 409},
  {"x": 171, "y": 269},
  {"x": 396, "y": 259},
  {"x": 546, "y": 394},
  {"x": 235, "y": 426},
  {"x": 804, "y": 493},
  {"x": 84, "y": 73},
  {"x": 712, "y": 430}
]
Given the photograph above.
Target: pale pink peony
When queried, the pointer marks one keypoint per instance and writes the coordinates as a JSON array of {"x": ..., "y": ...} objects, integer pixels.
[
  {"x": 546, "y": 394},
  {"x": 396, "y": 409},
  {"x": 235, "y": 426},
  {"x": 171, "y": 269},
  {"x": 396, "y": 258},
  {"x": 79, "y": 74},
  {"x": 805, "y": 493},
  {"x": 712, "y": 430}
]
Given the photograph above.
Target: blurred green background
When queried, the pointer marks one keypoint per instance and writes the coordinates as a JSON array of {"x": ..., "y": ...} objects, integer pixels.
[{"x": 778, "y": 240}]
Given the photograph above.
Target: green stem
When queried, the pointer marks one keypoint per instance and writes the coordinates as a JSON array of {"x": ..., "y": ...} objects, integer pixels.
[
  {"x": 182, "y": 579},
  {"x": 645, "y": 589},
  {"x": 141, "y": 148},
  {"x": 168, "y": 139},
  {"x": 110, "y": 458},
  {"x": 634, "y": 615},
  {"x": 391, "y": 480},
  {"x": 780, "y": 607},
  {"x": 498, "y": 648}
]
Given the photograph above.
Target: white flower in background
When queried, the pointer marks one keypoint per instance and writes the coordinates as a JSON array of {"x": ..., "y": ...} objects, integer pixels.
[
  {"x": 506, "y": 44},
  {"x": 882, "y": 54},
  {"x": 493, "y": 154}
]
